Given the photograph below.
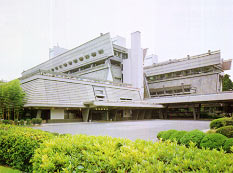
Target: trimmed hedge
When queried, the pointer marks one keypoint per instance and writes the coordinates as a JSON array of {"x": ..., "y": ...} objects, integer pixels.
[
  {"x": 213, "y": 141},
  {"x": 17, "y": 145},
  {"x": 217, "y": 123},
  {"x": 228, "y": 145},
  {"x": 81, "y": 153},
  {"x": 194, "y": 136},
  {"x": 165, "y": 135},
  {"x": 226, "y": 131},
  {"x": 177, "y": 136},
  {"x": 36, "y": 121}
]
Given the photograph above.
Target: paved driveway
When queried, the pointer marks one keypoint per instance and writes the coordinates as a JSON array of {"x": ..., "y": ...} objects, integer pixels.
[{"x": 144, "y": 129}]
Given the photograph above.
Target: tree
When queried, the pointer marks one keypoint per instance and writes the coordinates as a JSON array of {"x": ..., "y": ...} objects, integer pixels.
[
  {"x": 227, "y": 83},
  {"x": 11, "y": 99}
]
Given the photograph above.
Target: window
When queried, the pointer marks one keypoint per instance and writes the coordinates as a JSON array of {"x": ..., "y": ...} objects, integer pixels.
[
  {"x": 60, "y": 66},
  {"x": 87, "y": 56},
  {"x": 56, "y": 68},
  {"x": 70, "y": 62},
  {"x": 93, "y": 54},
  {"x": 65, "y": 65},
  {"x": 101, "y": 51},
  {"x": 81, "y": 59},
  {"x": 52, "y": 69},
  {"x": 75, "y": 60}
]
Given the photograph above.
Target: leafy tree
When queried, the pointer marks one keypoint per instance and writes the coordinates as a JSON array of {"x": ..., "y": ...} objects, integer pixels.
[
  {"x": 11, "y": 99},
  {"x": 227, "y": 83}
]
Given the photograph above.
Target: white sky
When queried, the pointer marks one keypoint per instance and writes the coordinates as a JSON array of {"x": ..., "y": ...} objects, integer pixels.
[{"x": 169, "y": 28}]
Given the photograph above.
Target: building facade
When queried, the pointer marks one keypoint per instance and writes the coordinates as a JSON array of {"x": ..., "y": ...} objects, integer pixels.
[{"x": 103, "y": 80}]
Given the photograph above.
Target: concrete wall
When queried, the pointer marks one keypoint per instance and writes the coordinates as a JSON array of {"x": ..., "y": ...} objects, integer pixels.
[
  {"x": 204, "y": 84},
  {"x": 57, "y": 114}
]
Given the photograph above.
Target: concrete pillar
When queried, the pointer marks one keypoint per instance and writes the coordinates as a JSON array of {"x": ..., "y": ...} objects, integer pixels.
[
  {"x": 194, "y": 113},
  {"x": 85, "y": 114},
  {"x": 38, "y": 114},
  {"x": 107, "y": 114}
]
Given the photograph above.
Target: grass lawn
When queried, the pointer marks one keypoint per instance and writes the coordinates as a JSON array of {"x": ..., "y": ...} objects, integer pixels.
[{"x": 4, "y": 169}]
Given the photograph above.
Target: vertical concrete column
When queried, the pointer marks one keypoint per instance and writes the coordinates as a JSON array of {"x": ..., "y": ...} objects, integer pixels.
[
  {"x": 85, "y": 114},
  {"x": 107, "y": 115},
  {"x": 38, "y": 114},
  {"x": 194, "y": 113}
]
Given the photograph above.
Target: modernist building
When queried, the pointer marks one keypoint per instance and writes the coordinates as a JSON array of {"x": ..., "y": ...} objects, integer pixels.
[{"x": 102, "y": 79}]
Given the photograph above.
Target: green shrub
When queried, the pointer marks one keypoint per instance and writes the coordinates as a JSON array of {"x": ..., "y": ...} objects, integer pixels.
[
  {"x": 16, "y": 122},
  {"x": 228, "y": 144},
  {"x": 17, "y": 145},
  {"x": 160, "y": 134},
  {"x": 211, "y": 131},
  {"x": 166, "y": 134},
  {"x": 195, "y": 136},
  {"x": 213, "y": 141},
  {"x": 215, "y": 124},
  {"x": 21, "y": 122},
  {"x": 36, "y": 121},
  {"x": 81, "y": 153},
  {"x": 5, "y": 121},
  {"x": 28, "y": 122},
  {"x": 177, "y": 136},
  {"x": 226, "y": 131}
]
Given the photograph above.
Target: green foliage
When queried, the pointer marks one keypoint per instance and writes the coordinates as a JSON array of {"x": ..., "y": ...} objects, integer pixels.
[
  {"x": 21, "y": 122},
  {"x": 166, "y": 134},
  {"x": 227, "y": 83},
  {"x": 213, "y": 141},
  {"x": 228, "y": 144},
  {"x": 36, "y": 120},
  {"x": 28, "y": 122},
  {"x": 81, "y": 153},
  {"x": 160, "y": 134},
  {"x": 211, "y": 131},
  {"x": 8, "y": 170},
  {"x": 217, "y": 123},
  {"x": 5, "y": 121},
  {"x": 17, "y": 145},
  {"x": 226, "y": 131},
  {"x": 16, "y": 122},
  {"x": 194, "y": 136},
  {"x": 177, "y": 136},
  {"x": 11, "y": 99}
]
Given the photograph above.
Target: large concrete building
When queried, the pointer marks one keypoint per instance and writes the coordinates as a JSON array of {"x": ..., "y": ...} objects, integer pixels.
[{"x": 104, "y": 80}]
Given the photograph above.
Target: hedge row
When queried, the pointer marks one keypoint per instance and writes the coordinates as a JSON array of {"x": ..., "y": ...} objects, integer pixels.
[
  {"x": 21, "y": 122},
  {"x": 34, "y": 150},
  {"x": 81, "y": 153},
  {"x": 202, "y": 140},
  {"x": 221, "y": 122},
  {"x": 17, "y": 145}
]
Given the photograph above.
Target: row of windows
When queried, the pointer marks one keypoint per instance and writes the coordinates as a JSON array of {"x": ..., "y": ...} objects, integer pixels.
[
  {"x": 120, "y": 54},
  {"x": 181, "y": 73},
  {"x": 79, "y": 59},
  {"x": 172, "y": 91},
  {"x": 86, "y": 67}
]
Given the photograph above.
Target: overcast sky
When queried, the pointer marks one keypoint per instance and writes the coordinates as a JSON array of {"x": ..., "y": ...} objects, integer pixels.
[{"x": 169, "y": 28}]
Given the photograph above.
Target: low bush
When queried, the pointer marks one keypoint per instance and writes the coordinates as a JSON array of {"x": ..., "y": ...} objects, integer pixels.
[
  {"x": 36, "y": 121},
  {"x": 81, "y": 153},
  {"x": 213, "y": 141},
  {"x": 228, "y": 144},
  {"x": 217, "y": 123},
  {"x": 5, "y": 121},
  {"x": 160, "y": 134},
  {"x": 16, "y": 122},
  {"x": 28, "y": 122},
  {"x": 17, "y": 145},
  {"x": 226, "y": 131},
  {"x": 211, "y": 131},
  {"x": 21, "y": 122},
  {"x": 195, "y": 136},
  {"x": 176, "y": 136},
  {"x": 166, "y": 134}
]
